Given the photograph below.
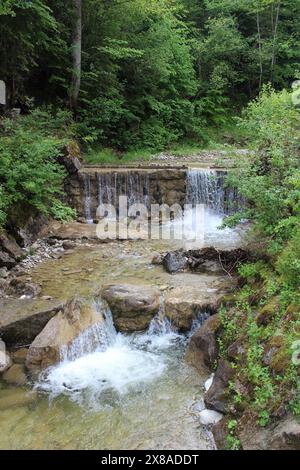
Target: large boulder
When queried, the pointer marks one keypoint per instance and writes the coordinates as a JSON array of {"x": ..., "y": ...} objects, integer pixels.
[
  {"x": 132, "y": 306},
  {"x": 10, "y": 252},
  {"x": 202, "y": 351},
  {"x": 21, "y": 320},
  {"x": 183, "y": 304},
  {"x": 9, "y": 245},
  {"x": 216, "y": 398},
  {"x": 76, "y": 317},
  {"x": 26, "y": 224}
]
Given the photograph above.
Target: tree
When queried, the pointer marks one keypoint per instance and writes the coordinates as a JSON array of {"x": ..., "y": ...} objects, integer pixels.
[{"x": 76, "y": 54}]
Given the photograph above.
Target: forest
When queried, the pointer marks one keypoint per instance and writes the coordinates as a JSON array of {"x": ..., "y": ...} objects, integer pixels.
[{"x": 123, "y": 80}]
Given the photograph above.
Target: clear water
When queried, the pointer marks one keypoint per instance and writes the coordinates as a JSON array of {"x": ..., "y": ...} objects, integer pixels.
[
  {"x": 127, "y": 394},
  {"x": 115, "y": 391}
]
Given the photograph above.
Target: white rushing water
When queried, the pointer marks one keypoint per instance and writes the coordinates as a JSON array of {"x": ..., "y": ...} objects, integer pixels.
[
  {"x": 87, "y": 198},
  {"x": 134, "y": 185},
  {"x": 209, "y": 187},
  {"x": 117, "y": 364}
]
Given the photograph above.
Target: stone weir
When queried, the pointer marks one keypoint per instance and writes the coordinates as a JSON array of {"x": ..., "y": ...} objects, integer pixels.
[{"x": 92, "y": 186}]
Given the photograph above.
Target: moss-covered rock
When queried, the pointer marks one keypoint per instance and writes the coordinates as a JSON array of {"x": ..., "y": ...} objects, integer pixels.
[{"x": 267, "y": 313}]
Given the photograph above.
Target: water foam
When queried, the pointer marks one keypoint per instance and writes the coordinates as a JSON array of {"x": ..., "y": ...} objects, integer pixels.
[{"x": 117, "y": 365}]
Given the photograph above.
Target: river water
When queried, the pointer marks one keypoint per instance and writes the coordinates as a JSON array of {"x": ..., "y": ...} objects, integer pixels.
[
  {"x": 126, "y": 395},
  {"x": 129, "y": 391}
]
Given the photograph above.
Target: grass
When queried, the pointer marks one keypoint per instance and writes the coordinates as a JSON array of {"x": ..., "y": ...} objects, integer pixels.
[
  {"x": 108, "y": 156},
  {"x": 228, "y": 137}
]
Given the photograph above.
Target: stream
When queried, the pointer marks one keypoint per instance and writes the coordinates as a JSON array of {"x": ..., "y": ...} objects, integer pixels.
[{"x": 114, "y": 390}]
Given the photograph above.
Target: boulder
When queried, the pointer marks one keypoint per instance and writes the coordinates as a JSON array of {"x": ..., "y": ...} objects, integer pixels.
[
  {"x": 202, "y": 351},
  {"x": 175, "y": 261},
  {"x": 183, "y": 304},
  {"x": 26, "y": 224},
  {"x": 76, "y": 317},
  {"x": 132, "y": 306},
  {"x": 10, "y": 246},
  {"x": 21, "y": 320},
  {"x": 216, "y": 398},
  {"x": 15, "y": 375}
]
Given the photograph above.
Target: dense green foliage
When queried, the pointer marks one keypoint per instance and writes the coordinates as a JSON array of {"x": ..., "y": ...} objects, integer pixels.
[
  {"x": 265, "y": 317},
  {"x": 153, "y": 71},
  {"x": 29, "y": 168}
]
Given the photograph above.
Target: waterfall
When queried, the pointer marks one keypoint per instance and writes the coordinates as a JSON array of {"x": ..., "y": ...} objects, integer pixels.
[
  {"x": 97, "y": 337},
  {"x": 208, "y": 187},
  {"x": 101, "y": 363},
  {"x": 87, "y": 197},
  {"x": 134, "y": 185}
]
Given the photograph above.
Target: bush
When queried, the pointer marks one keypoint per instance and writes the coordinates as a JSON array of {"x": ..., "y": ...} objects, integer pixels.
[{"x": 29, "y": 171}]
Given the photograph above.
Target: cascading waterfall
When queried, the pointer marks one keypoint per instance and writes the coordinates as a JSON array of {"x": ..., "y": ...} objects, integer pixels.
[
  {"x": 134, "y": 185},
  {"x": 208, "y": 187},
  {"x": 95, "y": 338},
  {"x": 102, "y": 361},
  {"x": 87, "y": 197}
]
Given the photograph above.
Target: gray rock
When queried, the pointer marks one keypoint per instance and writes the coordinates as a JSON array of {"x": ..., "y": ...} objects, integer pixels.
[
  {"x": 202, "y": 351},
  {"x": 132, "y": 306},
  {"x": 10, "y": 246},
  {"x": 175, "y": 262},
  {"x": 22, "y": 320}
]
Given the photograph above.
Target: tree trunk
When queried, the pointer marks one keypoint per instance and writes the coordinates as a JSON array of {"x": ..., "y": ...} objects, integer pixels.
[
  {"x": 275, "y": 34},
  {"x": 76, "y": 54},
  {"x": 260, "y": 50}
]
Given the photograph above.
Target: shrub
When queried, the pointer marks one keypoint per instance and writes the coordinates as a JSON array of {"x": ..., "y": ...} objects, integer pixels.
[{"x": 29, "y": 171}]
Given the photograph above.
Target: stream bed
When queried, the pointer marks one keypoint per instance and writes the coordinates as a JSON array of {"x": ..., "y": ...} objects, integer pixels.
[{"x": 134, "y": 392}]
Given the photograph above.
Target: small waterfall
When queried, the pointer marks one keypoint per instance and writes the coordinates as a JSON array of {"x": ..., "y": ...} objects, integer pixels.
[
  {"x": 87, "y": 197},
  {"x": 97, "y": 337},
  {"x": 134, "y": 185},
  {"x": 208, "y": 187},
  {"x": 200, "y": 319}
]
